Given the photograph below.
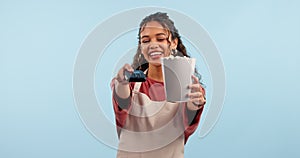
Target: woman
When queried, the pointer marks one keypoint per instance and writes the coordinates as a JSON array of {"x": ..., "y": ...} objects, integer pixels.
[{"x": 147, "y": 125}]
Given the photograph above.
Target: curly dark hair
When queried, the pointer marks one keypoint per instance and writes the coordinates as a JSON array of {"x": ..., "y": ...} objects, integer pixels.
[{"x": 139, "y": 62}]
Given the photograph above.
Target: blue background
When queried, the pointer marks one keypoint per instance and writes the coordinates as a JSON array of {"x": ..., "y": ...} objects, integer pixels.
[{"x": 259, "y": 42}]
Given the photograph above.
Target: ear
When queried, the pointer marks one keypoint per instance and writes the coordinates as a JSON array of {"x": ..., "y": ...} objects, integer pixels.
[{"x": 174, "y": 43}]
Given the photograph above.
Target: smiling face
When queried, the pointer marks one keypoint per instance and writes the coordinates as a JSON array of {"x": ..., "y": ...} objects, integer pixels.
[{"x": 156, "y": 42}]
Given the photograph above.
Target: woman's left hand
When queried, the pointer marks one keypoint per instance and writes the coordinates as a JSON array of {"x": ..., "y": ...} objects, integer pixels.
[{"x": 196, "y": 96}]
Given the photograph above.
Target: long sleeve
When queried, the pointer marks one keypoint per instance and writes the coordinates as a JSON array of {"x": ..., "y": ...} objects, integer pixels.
[
  {"x": 191, "y": 119},
  {"x": 121, "y": 107}
]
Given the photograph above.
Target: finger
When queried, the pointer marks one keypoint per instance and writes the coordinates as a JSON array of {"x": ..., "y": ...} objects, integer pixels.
[
  {"x": 198, "y": 101},
  {"x": 195, "y": 95},
  {"x": 128, "y": 67},
  {"x": 195, "y": 87},
  {"x": 121, "y": 74},
  {"x": 195, "y": 79}
]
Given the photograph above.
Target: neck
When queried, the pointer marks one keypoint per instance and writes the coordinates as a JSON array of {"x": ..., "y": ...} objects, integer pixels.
[{"x": 155, "y": 72}]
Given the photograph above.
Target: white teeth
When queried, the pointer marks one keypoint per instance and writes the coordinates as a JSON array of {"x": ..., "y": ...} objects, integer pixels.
[{"x": 155, "y": 53}]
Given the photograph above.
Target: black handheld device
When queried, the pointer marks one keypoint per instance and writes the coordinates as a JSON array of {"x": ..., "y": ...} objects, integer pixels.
[{"x": 135, "y": 76}]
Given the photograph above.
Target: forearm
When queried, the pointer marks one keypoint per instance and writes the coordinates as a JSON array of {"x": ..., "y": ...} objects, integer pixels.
[
  {"x": 121, "y": 96},
  {"x": 192, "y": 112},
  {"x": 122, "y": 89}
]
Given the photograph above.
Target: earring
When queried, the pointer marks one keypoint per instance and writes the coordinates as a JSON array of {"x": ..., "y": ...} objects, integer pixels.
[{"x": 174, "y": 52}]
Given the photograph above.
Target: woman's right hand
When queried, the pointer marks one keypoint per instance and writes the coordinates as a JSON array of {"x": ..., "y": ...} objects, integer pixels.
[
  {"x": 121, "y": 73},
  {"x": 122, "y": 86}
]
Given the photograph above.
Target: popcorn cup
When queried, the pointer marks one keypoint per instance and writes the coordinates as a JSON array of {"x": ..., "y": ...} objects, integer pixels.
[{"x": 177, "y": 73}]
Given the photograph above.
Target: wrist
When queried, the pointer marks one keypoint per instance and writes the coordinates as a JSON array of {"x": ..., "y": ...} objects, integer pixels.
[
  {"x": 193, "y": 106},
  {"x": 197, "y": 104}
]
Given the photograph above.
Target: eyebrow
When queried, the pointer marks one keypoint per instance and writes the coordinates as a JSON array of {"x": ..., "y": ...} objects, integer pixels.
[{"x": 159, "y": 34}]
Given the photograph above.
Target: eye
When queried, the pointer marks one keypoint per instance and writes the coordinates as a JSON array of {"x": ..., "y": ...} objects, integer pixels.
[
  {"x": 145, "y": 41},
  {"x": 161, "y": 39}
]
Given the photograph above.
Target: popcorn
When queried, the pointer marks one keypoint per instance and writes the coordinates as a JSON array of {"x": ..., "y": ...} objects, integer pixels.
[{"x": 177, "y": 57}]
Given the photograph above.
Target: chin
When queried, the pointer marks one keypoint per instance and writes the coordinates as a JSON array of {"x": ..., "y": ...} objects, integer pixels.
[{"x": 155, "y": 63}]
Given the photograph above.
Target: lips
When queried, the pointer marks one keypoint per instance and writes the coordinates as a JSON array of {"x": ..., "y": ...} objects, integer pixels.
[{"x": 155, "y": 55}]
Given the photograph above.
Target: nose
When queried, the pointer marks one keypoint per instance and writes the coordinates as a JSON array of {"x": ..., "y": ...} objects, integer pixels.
[{"x": 153, "y": 45}]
